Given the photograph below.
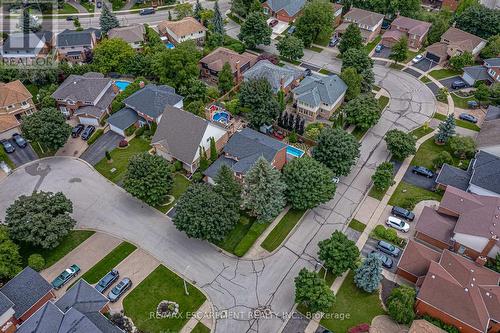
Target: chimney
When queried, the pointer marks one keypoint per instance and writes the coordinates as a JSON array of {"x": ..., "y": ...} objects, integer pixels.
[
  {"x": 481, "y": 261},
  {"x": 238, "y": 71},
  {"x": 282, "y": 83}
]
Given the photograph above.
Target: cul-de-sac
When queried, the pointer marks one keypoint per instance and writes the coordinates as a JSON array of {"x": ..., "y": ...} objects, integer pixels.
[{"x": 250, "y": 166}]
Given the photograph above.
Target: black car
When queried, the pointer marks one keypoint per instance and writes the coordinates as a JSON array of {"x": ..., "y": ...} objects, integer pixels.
[
  {"x": 88, "y": 132},
  {"x": 8, "y": 147},
  {"x": 404, "y": 213},
  {"x": 107, "y": 281},
  {"x": 420, "y": 170},
  {"x": 99, "y": 4},
  {"x": 70, "y": 18},
  {"x": 458, "y": 84},
  {"x": 388, "y": 248},
  {"x": 386, "y": 261},
  {"x": 147, "y": 11},
  {"x": 75, "y": 132},
  {"x": 468, "y": 117},
  {"x": 308, "y": 72},
  {"x": 19, "y": 140},
  {"x": 119, "y": 289}
]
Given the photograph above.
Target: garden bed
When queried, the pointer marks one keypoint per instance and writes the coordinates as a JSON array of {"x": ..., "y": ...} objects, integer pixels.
[{"x": 179, "y": 186}]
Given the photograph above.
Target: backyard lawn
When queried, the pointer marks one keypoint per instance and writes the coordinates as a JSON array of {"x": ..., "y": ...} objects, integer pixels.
[
  {"x": 282, "y": 229},
  {"x": 51, "y": 256},
  {"x": 459, "y": 122},
  {"x": 242, "y": 237},
  {"x": 161, "y": 284},
  {"x": 180, "y": 186},
  {"x": 440, "y": 74},
  {"x": 406, "y": 193},
  {"x": 121, "y": 157}
]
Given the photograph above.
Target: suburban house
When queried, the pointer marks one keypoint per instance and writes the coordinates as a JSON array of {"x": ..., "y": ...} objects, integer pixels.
[
  {"x": 22, "y": 296},
  {"x": 183, "y": 30},
  {"x": 15, "y": 102},
  {"x": 337, "y": 14},
  {"x": 482, "y": 176},
  {"x": 414, "y": 30},
  {"x": 488, "y": 72},
  {"x": 212, "y": 63},
  {"x": 319, "y": 96},
  {"x": 132, "y": 34},
  {"x": 73, "y": 45},
  {"x": 182, "y": 136},
  {"x": 491, "y": 4},
  {"x": 488, "y": 139},
  {"x": 26, "y": 49},
  {"x": 284, "y": 10},
  {"x": 86, "y": 96},
  {"x": 369, "y": 23},
  {"x": 243, "y": 149},
  {"x": 454, "y": 42},
  {"x": 81, "y": 309},
  {"x": 415, "y": 261},
  {"x": 280, "y": 78},
  {"x": 144, "y": 106}
]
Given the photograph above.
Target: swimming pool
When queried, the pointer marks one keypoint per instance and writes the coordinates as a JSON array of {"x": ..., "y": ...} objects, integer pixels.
[
  {"x": 221, "y": 116},
  {"x": 295, "y": 152},
  {"x": 170, "y": 46},
  {"x": 122, "y": 84}
]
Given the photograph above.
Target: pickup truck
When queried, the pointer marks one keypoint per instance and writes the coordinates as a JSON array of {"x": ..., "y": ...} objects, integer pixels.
[{"x": 65, "y": 276}]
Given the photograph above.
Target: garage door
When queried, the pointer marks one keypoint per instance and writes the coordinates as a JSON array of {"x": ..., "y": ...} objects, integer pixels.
[
  {"x": 117, "y": 130},
  {"x": 8, "y": 134},
  {"x": 433, "y": 57},
  {"x": 88, "y": 121}
]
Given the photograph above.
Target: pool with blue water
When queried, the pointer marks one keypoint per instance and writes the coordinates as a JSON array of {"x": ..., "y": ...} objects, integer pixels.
[
  {"x": 293, "y": 151},
  {"x": 122, "y": 84}
]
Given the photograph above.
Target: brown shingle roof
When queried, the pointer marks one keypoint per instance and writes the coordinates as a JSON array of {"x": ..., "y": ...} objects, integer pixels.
[
  {"x": 361, "y": 16},
  {"x": 217, "y": 58},
  {"x": 184, "y": 27},
  {"x": 417, "y": 257},
  {"x": 489, "y": 135},
  {"x": 465, "y": 40},
  {"x": 131, "y": 34},
  {"x": 413, "y": 26},
  {"x": 436, "y": 225},
  {"x": 7, "y": 122},
  {"x": 12, "y": 93},
  {"x": 423, "y": 326}
]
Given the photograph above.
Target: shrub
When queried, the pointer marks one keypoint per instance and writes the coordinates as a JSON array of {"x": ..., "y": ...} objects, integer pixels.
[
  {"x": 379, "y": 231},
  {"x": 36, "y": 261},
  {"x": 292, "y": 138},
  {"x": 140, "y": 131},
  {"x": 360, "y": 328},
  {"x": 442, "y": 158},
  {"x": 123, "y": 144},
  {"x": 409, "y": 203},
  {"x": 129, "y": 131},
  {"x": 95, "y": 136},
  {"x": 178, "y": 165},
  {"x": 197, "y": 176},
  {"x": 440, "y": 324},
  {"x": 388, "y": 234}
]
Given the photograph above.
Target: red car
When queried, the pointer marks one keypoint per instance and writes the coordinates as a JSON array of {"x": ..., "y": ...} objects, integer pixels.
[
  {"x": 273, "y": 23},
  {"x": 278, "y": 135}
]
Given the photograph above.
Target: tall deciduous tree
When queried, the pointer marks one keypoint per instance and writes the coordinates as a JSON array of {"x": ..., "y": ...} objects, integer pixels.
[
  {"x": 218, "y": 21},
  {"x": 257, "y": 95},
  {"x": 400, "y": 144},
  {"x": 291, "y": 48},
  {"x": 255, "y": 31},
  {"x": 369, "y": 274},
  {"x": 226, "y": 79},
  {"x": 351, "y": 39},
  {"x": 440, "y": 23},
  {"x": 313, "y": 292},
  {"x": 48, "y": 127},
  {"x": 400, "y": 304},
  {"x": 338, "y": 253},
  {"x": 353, "y": 81},
  {"x": 263, "y": 191},
  {"x": 492, "y": 48},
  {"x": 362, "y": 111},
  {"x": 10, "y": 260},
  {"x": 446, "y": 129},
  {"x": 148, "y": 178},
  {"x": 399, "y": 51},
  {"x": 363, "y": 64},
  {"x": 108, "y": 20},
  {"x": 383, "y": 176},
  {"x": 309, "y": 183},
  {"x": 316, "y": 20},
  {"x": 460, "y": 61},
  {"x": 183, "y": 10},
  {"x": 112, "y": 55},
  {"x": 40, "y": 219},
  {"x": 228, "y": 187},
  {"x": 489, "y": 21},
  {"x": 336, "y": 149}
]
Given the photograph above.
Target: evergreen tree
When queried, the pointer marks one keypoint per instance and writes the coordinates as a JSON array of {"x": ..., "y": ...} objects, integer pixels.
[
  {"x": 204, "y": 163},
  {"x": 228, "y": 188},
  {"x": 226, "y": 79},
  {"x": 280, "y": 96},
  {"x": 197, "y": 10},
  {"x": 26, "y": 20},
  {"x": 108, "y": 20},
  {"x": 213, "y": 150},
  {"x": 218, "y": 21},
  {"x": 280, "y": 120},
  {"x": 302, "y": 125},
  {"x": 446, "y": 130},
  {"x": 291, "y": 120},
  {"x": 285, "y": 120},
  {"x": 297, "y": 124},
  {"x": 369, "y": 275}
]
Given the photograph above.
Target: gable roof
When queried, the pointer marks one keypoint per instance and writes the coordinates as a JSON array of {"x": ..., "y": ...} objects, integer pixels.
[
  {"x": 131, "y": 34},
  {"x": 416, "y": 258},
  {"x": 183, "y": 27},
  {"x": 316, "y": 89},
  {"x": 25, "y": 289},
  {"x": 478, "y": 72},
  {"x": 436, "y": 225},
  {"x": 363, "y": 17},
  {"x": 493, "y": 62},
  {"x": 82, "y": 88},
  {"x": 82, "y": 297},
  {"x": 414, "y": 27},
  {"x": 5, "y": 304},
  {"x": 12, "y": 93},
  {"x": 453, "y": 176},
  {"x": 123, "y": 119},
  {"x": 75, "y": 38},
  {"x": 486, "y": 171},
  {"x": 291, "y": 7},
  {"x": 218, "y": 57},
  {"x": 26, "y": 42},
  {"x": 152, "y": 99},
  {"x": 273, "y": 74},
  {"x": 465, "y": 40}
]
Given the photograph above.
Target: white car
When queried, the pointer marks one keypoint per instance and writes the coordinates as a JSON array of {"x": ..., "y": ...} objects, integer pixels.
[
  {"x": 417, "y": 58},
  {"x": 335, "y": 180},
  {"x": 397, "y": 224}
]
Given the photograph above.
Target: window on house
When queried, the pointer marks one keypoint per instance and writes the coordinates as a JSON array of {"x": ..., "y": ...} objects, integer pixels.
[{"x": 461, "y": 249}]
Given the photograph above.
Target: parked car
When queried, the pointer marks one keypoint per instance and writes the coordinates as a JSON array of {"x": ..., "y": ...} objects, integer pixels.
[
  {"x": 468, "y": 117},
  {"x": 273, "y": 23},
  {"x": 386, "y": 261},
  {"x": 386, "y": 24},
  {"x": 472, "y": 104},
  {"x": 420, "y": 170},
  {"x": 397, "y": 224},
  {"x": 65, "y": 276},
  {"x": 417, "y": 58},
  {"x": 70, "y": 18},
  {"x": 107, "y": 281},
  {"x": 335, "y": 180},
  {"x": 147, "y": 11},
  {"x": 458, "y": 84},
  {"x": 75, "y": 132},
  {"x": 404, "y": 213},
  {"x": 379, "y": 48},
  {"x": 334, "y": 41},
  {"x": 99, "y": 4},
  {"x": 119, "y": 289},
  {"x": 88, "y": 132},
  {"x": 308, "y": 72},
  {"x": 291, "y": 30},
  {"x": 8, "y": 147},
  {"x": 388, "y": 248},
  {"x": 278, "y": 135},
  {"x": 19, "y": 140},
  {"x": 5, "y": 168}
]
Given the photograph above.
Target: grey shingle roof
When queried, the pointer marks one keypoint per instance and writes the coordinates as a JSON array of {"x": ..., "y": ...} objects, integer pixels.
[
  {"x": 20, "y": 41},
  {"x": 477, "y": 72},
  {"x": 292, "y": 7},
  {"x": 152, "y": 99},
  {"x": 82, "y": 87},
  {"x": 25, "y": 289},
  {"x": 493, "y": 112},
  {"x": 486, "y": 171},
  {"x": 212, "y": 170},
  {"x": 493, "y": 61},
  {"x": 75, "y": 38},
  {"x": 46, "y": 319},
  {"x": 316, "y": 89},
  {"x": 5, "y": 303},
  {"x": 82, "y": 297},
  {"x": 273, "y": 74},
  {"x": 450, "y": 175},
  {"x": 131, "y": 34},
  {"x": 124, "y": 118},
  {"x": 101, "y": 107}
]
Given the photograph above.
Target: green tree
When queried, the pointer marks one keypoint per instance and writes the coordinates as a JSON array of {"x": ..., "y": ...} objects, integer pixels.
[
  {"x": 255, "y": 31},
  {"x": 257, "y": 95},
  {"x": 36, "y": 262},
  {"x": 213, "y": 150},
  {"x": 495, "y": 93},
  {"x": 463, "y": 5},
  {"x": 316, "y": 20},
  {"x": 399, "y": 51},
  {"x": 148, "y": 178},
  {"x": 369, "y": 274},
  {"x": 202, "y": 213},
  {"x": 263, "y": 191},
  {"x": 442, "y": 95},
  {"x": 309, "y": 183},
  {"x": 494, "y": 264},
  {"x": 46, "y": 126},
  {"x": 359, "y": 60},
  {"x": 489, "y": 18},
  {"x": 196, "y": 107},
  {"x": 351, "y": 39},
  {"x": 492, "y": 48},
  {"x": 463, "y": 146},
  {"x": 362, "y": 111},
  {"x": 40, "y": 219},
  {"x": 400, "y": 144},
  {"x": 111, "y": 55},
  {"x": 241, "y": 7},
  {"x": 195, "y": 91},
  {"x": 353, "y": 81},
  {"x": 460, "y": 61},
  {"x": 25, "y": 21},
  {"x": 218, "y": 21},
  {"x": 183, "y": 10},
  {"x": 313, "y": 292},
  {"x": 107, "y": 20},
  {"x": 10, "y": 260},
  {"x": 440, "y": 23},
  {"x": 226, "y": 79},
  {"x": 446, "y": 130},
  {"x": 336, "y": 149},
  {"x": 338, "y": 253},
  {"x": 482, "y": 93},
  {"x": 442, "y": 158},
  {"x": 291, "y": 48},
  {"x": 383, "y": 176},
  {"x": 197, "y": 10},
  {"x": 400, "y": 304},
  {"x": 44, "y": 96},
  {"x": 228, "y": 187}
]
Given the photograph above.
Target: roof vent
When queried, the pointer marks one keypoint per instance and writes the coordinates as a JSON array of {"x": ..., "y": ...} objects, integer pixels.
[
  {"x": 473, "y": 279},
  {"x": 472, "y": 284},
  {"x": 461, "y": 199},
  {"x": 433, "y": 276},
  {"x": 487, "y": 293},
  {"x": 466, "y": 289}
]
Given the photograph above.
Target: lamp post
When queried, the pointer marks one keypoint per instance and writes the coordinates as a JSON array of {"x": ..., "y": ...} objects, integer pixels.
[
  {"x": 322, "y": 266},
  {"x": 184, "y": 280}
]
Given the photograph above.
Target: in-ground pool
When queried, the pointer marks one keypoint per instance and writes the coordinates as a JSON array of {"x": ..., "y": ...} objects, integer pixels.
[
  {"x": 295, "y": 152},
  {"x": 122, "y": 84},
  {"x": 221, "y": 116},
  {"x": 170, "y": 46}
]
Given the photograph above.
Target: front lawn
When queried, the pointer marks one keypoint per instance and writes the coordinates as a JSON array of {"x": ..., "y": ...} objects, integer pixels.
[
  {"x": 315, "y": 48},
  {"x": 425, "y": 79},
  {"x": 51, "y": 256},
  {"x": 461, "y": 102},
  {"x": 370, "y": 46},
  {"x": 282, "y": 229},
  {"x": 180, "y": 186},
  {"x": 200, "y": 328},
  {"x": 161, "y": 284},
  {"x": 243, "y": 236},
  {"x": 407, "y": 193},
  {"x": 421, "y": 131},
  {"x": 89, "y": 6},
  {"x": 440, "y": 74},
  {"x": 459, "y": 122},
  {"x": 121, "y": 157},
  {"x": 429, "y": 150}
]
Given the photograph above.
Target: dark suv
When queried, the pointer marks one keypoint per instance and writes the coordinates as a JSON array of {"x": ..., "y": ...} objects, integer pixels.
[
  {"x": 75, "y": 132},
  {"x": 107, "y": 281},
  {"x": 19, "y": 140},
  {"x": 420, "y": 170},
  {"x": 458, "y": 84},
  {"x": 388, "y": 248},
  {"x": 88, "y": 132},
  {"x": 404, "y": 213}
]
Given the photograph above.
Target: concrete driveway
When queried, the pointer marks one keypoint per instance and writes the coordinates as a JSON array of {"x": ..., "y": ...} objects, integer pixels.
[
  {"x": 384, "y": 53},
  {"x": 420, "y": 181},
  {"x": 22, "y": 155},
  {"x": 97, "y": 151},
  {"x": 73, "y": 147},
  {"x": 279, "y": 28},
  {"x": 425, "y": 65},
  {"x": 371, "y": 245}
]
